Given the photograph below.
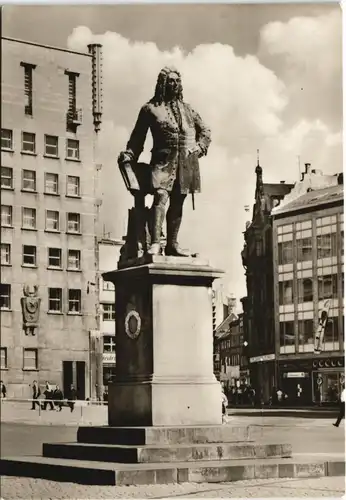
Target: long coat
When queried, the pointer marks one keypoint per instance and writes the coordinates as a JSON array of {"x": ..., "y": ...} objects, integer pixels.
[{"x": 174, "y": 147}]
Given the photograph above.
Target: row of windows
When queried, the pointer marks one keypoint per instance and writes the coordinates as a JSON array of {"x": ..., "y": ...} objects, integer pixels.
[
  {"x": 51, "y": 182},
  {"x": 326, "y": 247},
  {"x": 233, "y": 360},
  {"x": 51, "y": 144},
  {"x": 306, "y": 332},
  {"x": 52, "y": 223},
  {"x": 327, "y": 289},
  {"x": 30, "y": 359},
  {"x": 54, "y": 257},
  {"x": 55, "y": 299}
]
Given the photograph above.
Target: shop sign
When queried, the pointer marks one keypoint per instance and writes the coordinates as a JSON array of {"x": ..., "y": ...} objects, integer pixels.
[
  {"x": 108, "y": 357},
  {"x": 264, "y": 357},
  {"x": 296, "y": 374}
]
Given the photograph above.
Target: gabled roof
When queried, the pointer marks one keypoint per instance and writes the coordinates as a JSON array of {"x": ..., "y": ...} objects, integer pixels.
[
  {"x": 223, "y": 328},
  {"x": 313, "y": 198}
]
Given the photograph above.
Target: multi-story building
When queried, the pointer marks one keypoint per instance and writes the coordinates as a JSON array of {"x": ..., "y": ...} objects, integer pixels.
[
  {"x": 51, "y": 112},
  {"x": 258, "y": 307},
  {"x": 308, "y": 237},
  {"x": 109, "y": 252}
]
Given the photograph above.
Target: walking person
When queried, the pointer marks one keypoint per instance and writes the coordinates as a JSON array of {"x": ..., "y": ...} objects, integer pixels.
[
  {"x": 224, "y": 402},
  {"x": 48, "y": 394},
  {"x": 3, "y": 390},
  {"x": 58, "y": 398},
  {"x": 341, "y": 408},
  {"x": 71, "y": 397},
  {"x": 36, "y": 393}
]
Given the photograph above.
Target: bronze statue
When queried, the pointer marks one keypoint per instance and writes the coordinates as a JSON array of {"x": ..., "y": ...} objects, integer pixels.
[
  {"x": 180, "y": 138},
  {"x": 30, "y": 308}
]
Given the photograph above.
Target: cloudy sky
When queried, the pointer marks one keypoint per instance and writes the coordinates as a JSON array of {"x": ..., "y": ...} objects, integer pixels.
[{"x": 264, "y": 77}]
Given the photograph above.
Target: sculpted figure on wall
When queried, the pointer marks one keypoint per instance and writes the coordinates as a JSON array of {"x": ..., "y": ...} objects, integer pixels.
[{"x": 30, "y": 309}]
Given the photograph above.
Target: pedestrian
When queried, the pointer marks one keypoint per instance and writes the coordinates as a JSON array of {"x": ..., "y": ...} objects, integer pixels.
[
  {"x": 71, "y": 397},
  {"x": 341, "y": 408},
  {"x": 3, "y": 390},
  {"x": 48, "y": 395},
  {"x": 36, "y": 393},
  {"x": 224, "y": 403},
  {"x": 279, "y": 394},
  {"x": 58, "y": 398}
]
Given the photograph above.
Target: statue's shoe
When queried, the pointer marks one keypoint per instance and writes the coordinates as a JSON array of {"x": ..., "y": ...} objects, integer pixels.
[
  {"x": 155, "y": 249},
  {"x": 176, "y": 251}
]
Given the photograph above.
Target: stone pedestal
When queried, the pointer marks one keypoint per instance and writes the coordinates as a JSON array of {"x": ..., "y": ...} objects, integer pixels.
[{"x": 164, "y": 339}]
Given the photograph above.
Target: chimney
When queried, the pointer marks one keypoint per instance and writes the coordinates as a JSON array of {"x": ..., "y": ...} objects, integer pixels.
[{"x": 307, "y": 168}]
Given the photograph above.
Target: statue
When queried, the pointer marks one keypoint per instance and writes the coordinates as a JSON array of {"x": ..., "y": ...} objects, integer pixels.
[
  {"x": 30, "y": 309},
  {"x": 180, "y": 138}
]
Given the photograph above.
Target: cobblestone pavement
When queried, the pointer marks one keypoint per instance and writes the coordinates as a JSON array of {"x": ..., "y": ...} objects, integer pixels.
[{"x": 14, "y": 488}]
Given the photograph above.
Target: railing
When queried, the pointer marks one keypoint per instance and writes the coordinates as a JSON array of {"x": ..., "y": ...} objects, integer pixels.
[{"x": 80, "y": 407}]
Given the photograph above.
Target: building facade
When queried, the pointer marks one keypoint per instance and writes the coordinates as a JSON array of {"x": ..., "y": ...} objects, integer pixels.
[
  {"x": 109, "y": 253},
  {"x": 308, "y": 236},
  {"x": 50, "y": 116},
  {"x": 258, "y": 306}
]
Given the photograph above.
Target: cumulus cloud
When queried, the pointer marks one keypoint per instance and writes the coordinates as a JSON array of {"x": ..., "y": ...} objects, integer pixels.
[{"x": 242, "y": 100}]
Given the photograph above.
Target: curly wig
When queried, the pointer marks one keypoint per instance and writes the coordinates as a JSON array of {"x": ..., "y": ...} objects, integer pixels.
[{"x": 160, "y": 89}]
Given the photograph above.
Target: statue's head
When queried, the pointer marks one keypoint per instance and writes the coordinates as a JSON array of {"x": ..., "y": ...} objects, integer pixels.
[
  {"x": 168, "y": 86},
  {"x": 30, "y": 290}
]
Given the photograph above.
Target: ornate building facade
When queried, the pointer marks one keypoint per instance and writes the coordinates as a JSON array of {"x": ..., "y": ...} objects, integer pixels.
[
  {"x": 51, "y": 113},
  {"x": 258, "y": 306}
]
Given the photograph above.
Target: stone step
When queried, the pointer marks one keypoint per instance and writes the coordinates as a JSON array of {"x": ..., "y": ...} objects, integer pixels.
[
  {"x": 162, "y": 435},
  {"x": 86, "y": 472},
  {"x": 168, "y": 453}
]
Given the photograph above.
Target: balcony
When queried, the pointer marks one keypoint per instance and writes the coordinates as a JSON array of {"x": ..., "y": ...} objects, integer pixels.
[{"x": 74, "y": 118}]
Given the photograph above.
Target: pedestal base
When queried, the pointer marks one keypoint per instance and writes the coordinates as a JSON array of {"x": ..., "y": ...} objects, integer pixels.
[{"x": 164, "y": 337}]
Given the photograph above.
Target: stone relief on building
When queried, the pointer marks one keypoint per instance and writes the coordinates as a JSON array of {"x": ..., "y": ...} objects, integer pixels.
[
  {"x": 180, "y": 138},
  {"x": 30, "y": 309}
]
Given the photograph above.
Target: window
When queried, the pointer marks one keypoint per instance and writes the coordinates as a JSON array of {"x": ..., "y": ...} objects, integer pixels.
[
  {"x": 286, "y": 333},
  {"x": 327, "y": 287},
  {"x": 29, "y": 255},
  {"x": 28, "y": 142},
  {"x": 285, "y": 292},
  {"x": 326, "y": 245},
  {"x": 73, "y": 223},
  {"x": 54, "y": 299},
  {"x": 108, "y": 343},
  {"x": 6, "y": 139},
  {"x": 5, "y": 254},
  {"x": 28, "y": 218},
  {"x": 306, "y": 331},
  {"x": 72, "y": 149},
  {"x": 52, "y": 220},
  {"x": 108, "y": 312},
  {"x": 259, "y": 248},
  {"x": 73, "y": 260},
  {"x": 6, "y": 215},
  {"x": 30, "y": 359},
  {"x": 6, "y": 177},
  {"x": 54, "y": 257},
  {"x": 73, "y": 186},
  {"x": 74, "y": 301},
  {"x": 331, "y": 332},
  {"x": 3, "y": 358},
  {"x": 5, "y": 296},
  {"x": 28, "y": 69},
  {"x": 51, "y": 145},
  {"x": 51, "y": 183},
  {"x": 285, "y": 252},
  {"x": 108, "y": 286},
  {"x": 304, "y": 249},
  {"x": 29, "y": 180},
  {"x": 304, "y": 290}
]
